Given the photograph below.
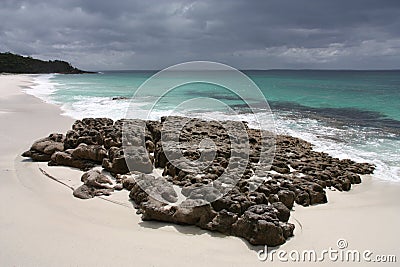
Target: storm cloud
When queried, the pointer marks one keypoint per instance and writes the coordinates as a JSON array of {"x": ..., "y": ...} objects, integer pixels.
[{"x": 104, "y": 34}]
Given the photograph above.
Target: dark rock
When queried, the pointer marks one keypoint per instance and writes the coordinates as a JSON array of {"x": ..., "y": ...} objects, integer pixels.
[
  {"x": 157, "y": 189},
  {"x": 120, "y": 98},
  {"x": 287, "y": 228},
  {"x": 280, "y": 167},
  {"x": 95, "y": 179},
  {"x": 84, "y": 192},
  {"x": 118, "y": 187},
  {"x": 138, "y": 195},
  {"x": 283, "y": 212},
  {"x": 115, "y": 163},
  {"x": 223, "y": 222},
  {"x": 128, "y": 182},
  {"x": 207, "y": 193},
  {"x": 273, "y": 198},
  {"x": 189, "y": 213},
  {"x": 94, "y": 153},
  {"x": 317, "y": 197},
  {"x": 287, "y": 198},
  {"x": 42, "y": 149},
  {"x": 94, "y": 184},
  {"x": 260, "y": 226},
  {"x": 186, "y": 213},
  {"x": 137, "y": 159},
  {"x": 150, "y": 146},
  {"x": 303, "y": 198},
  {"x": 36, "y": 156},
  {"x": 66, "y": 159},
  {"x": 88, "y": 131},
  {"x": 157, "y": 211}
]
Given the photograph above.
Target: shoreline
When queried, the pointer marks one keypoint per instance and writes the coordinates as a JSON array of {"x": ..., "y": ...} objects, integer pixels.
[
  {"x": 43, "y": 211},
  {"x": 325, "y": 135}
]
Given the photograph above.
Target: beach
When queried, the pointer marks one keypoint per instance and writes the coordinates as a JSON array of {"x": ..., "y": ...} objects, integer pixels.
[{"x": 42, "y": 224}]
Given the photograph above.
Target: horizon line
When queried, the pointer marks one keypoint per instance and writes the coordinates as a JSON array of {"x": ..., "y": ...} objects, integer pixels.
[{"x": 277, "y": 69}]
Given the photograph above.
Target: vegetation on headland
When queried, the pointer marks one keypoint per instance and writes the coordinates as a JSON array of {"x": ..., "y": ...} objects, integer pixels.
[{"x": 13, "y": 63}]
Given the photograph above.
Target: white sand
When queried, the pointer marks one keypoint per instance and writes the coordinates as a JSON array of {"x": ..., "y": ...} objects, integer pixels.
[{"x": 42, "y": 224}]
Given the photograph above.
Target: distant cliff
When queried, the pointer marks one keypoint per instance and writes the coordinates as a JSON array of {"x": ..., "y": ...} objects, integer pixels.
[{"x": 12, "y": 63}]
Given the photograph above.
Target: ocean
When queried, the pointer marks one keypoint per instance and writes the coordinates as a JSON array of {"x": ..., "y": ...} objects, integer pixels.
[{"x": 348, "y": 114}]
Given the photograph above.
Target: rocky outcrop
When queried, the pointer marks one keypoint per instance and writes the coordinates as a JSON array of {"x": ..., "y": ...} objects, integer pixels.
[
  {"x": 42, "y": 149},
  {"x": 236, "y": 191},
  {"x": 259, "y": 224}
]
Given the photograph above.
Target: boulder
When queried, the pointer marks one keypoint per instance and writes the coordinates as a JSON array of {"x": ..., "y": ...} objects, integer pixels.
[
  {"x": 283, "y": 213},
  {"x": 94, "y": 184},
  {"x": 136, "y": 159},
  {"x": 65, "y": 159},
  {"x": 96, "y": 179},
  {"x": 42, "y": 149},
  {"x": 223, "y": 222},
  {"x": 94, "y": 153},
  {"x": 287, "y": 198},
  {"x": 87, "y": 192},
  {"x": 185, "y": 213},
  {"x": 115, "y": 163},
  {"x": 260, "y": 226}
]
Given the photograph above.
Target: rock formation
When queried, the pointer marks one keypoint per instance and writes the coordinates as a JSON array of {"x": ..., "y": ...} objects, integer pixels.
[{"x": 232, "y": 191}]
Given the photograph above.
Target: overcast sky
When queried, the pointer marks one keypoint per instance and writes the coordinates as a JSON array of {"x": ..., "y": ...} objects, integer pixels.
[{"x": 150, "y": 34}]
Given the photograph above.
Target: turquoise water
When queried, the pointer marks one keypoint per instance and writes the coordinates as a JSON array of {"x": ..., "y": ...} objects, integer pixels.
[
  {"x": 352, "y": 114},
  {"x": 377, "y": 91},
  {"x": 367, "y": 91}
]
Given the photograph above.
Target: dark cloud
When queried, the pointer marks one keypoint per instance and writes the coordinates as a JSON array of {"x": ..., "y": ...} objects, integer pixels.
[{"x": 152, "y": 34}]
